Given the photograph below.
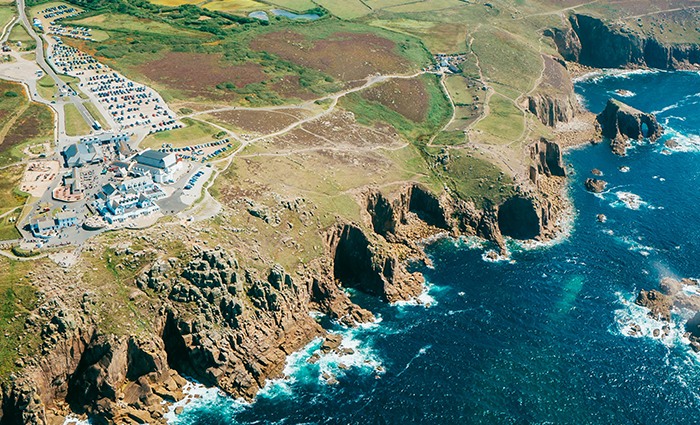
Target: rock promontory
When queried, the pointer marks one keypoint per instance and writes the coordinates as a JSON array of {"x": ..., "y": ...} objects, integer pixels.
[{"x": 620, "y": 122}]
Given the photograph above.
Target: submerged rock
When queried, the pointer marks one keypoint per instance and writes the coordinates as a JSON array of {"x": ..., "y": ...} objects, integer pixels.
[{"x": 671, "y": 143}]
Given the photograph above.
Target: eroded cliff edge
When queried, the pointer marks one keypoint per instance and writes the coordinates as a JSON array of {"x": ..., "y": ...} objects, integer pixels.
[{"x": 593, "y": 42}]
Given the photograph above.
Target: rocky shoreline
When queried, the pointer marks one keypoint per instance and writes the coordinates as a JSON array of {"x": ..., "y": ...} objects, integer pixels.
[{"x": 227, "y": 324}]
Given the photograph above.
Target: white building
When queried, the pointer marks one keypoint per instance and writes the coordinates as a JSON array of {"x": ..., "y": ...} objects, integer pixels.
[
  {"x": 133, "y": 198},
  {"x": 160, "y": 166}
]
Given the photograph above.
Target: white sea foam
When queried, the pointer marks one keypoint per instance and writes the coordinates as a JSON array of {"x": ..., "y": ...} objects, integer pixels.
[
  {"x": 600, "y": 74},
  {"x": 424, "y": 299},
  {"x": 623, "y": 93},
  {"x": 493, "y": 256},
  {"x": 354, "y": 354},
  {"x": 198, "y": 397},
  {"x": 631, "y": 315},
  {"x": 628, "y": 200},
  {"x": 72, "y": 419},
  {"x": 635, "y": 246}
]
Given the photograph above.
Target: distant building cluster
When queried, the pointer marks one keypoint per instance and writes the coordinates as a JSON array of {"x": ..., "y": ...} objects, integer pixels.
[
  {"x": 448, "y": 64},
  {"x": 97, "y": 149},
  {"x": 135, "y": 196}
]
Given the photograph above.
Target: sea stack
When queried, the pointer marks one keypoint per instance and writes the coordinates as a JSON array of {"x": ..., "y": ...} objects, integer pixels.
[{"x": 620, "y": 122}]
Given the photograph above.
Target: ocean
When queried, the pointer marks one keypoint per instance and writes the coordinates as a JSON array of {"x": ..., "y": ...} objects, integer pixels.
[{"x": 538, "y": 338}]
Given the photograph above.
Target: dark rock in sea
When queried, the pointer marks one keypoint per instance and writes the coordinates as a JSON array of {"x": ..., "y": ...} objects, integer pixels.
[
  {"x": 595, "y": 185},
  {"x": 620, "y": 122},
  {"x": 313, "y": 359},
  {"x": 602, "y": 218},
  {"x": 596, "y": 172},
  {"x": 658, "y": 303},
  {"x": 671, "y": 143},
  {"x": 624, "y": 169},
  {"x": 656, "y": 333}
]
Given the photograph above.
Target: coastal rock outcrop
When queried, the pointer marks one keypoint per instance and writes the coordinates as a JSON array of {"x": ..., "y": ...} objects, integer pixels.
[
  {"x": 567, "y": 41},
  {"x": 595, "y": 185},
  {"x": 620, "y": 122},
  {"x": 547, "y": 157},
  {"x": 359, "y": 262},
  {"x": 658, "y": 304},
  {"x": 554, "y": 100}
]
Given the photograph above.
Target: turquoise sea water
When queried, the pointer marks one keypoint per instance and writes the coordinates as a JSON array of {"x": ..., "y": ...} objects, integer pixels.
[{"x": 540, "y": 338}]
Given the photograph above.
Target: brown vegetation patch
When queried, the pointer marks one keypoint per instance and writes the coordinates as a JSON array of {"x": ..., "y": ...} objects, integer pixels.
[
  {"x": 197, "y": 74},
  {"x": 264, "y": 122},
  {"x": 345, "y": 56},
  {"x": 289, "y": 88},
  {"x": 342, "y": 131},
  {"x": 36, "y": 121},
  {"x": 555, "y": 75},
  {"x": 407, "y": 97}
]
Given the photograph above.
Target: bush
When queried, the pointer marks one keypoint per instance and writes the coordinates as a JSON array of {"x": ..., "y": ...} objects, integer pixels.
[{"x": 10, "y": 93}]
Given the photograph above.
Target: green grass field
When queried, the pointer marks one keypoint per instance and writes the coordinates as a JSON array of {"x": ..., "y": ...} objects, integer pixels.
[
  {"x": 75, "y": 124},
  {"x": 504, "y": 122},
  {"x": 6, "y": 13},
  {"x": 294, "y": 5},
  {"x": 119, "y": 22},
  {"x": 194, "y": 133},
  {"x": 348, "y": 9},
  {"x": 96, "y": 114},
  {"x": 437, "y": 37},
  {"x": 10, "y": 199},
  {"x": 19, "y": 34},
  {"x": 46, "y": 87},
  {"x": 17, "y": 299}
]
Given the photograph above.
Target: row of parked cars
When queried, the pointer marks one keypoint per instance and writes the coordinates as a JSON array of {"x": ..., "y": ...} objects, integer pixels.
[{"x": 193, "y": 180}]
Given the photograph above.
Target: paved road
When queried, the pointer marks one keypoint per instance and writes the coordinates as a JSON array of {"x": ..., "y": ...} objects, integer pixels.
[{"x": 41, "y": 61}]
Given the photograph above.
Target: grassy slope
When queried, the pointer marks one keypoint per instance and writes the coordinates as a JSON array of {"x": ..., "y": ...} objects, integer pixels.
[
  {"x": 17, "y": 299},
  {"x": 194, "y": 133},
  {"x": 75, "y": 124}
]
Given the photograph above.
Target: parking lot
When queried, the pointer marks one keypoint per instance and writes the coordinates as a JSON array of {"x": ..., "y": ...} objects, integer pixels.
[
  {"x": 201, "y": 152},
  {"x": 125, "y": 103}
]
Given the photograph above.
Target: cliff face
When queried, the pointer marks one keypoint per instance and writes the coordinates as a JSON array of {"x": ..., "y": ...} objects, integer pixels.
[
  {"x": 603, "y": 45},
  {"x": 620, "y": 122},
  {"x": 546, "y": 156},
  {"x": 233, "y": 327},
  {"x": 219, "y": 323},
  {"x": 554, "y": 100}
]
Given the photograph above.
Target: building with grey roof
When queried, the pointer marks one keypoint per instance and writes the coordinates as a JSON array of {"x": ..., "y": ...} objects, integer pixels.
[{"x": 160, "y": 166}]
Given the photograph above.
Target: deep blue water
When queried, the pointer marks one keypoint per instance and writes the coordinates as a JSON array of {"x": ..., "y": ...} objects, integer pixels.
[{"x": 537, "y": 338}]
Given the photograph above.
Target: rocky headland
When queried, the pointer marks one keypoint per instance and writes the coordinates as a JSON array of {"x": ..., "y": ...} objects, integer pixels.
[{"x": 218, "y": 316}]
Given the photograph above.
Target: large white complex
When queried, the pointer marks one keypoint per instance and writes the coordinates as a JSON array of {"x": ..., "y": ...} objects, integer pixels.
[
  {"x": 133, "y": 198},
  {"x": 160, "y": 166}
]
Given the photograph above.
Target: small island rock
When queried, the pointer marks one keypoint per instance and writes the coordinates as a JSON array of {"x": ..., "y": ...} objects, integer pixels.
[{"x": 595, "y": 185}]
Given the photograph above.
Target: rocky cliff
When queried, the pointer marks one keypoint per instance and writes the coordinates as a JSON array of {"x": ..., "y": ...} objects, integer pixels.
[
  {"x": 620, "y": 122},
  {"x": 211, "y": 319},
  {"x": 207, "y": 316},
  {"x": 553, "y": 101},
  {"x": 594, "y": 42}
]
